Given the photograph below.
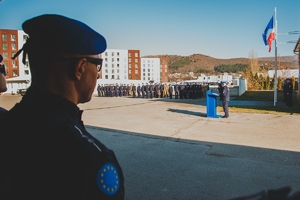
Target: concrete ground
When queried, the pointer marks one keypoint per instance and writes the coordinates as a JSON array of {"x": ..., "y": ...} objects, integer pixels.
[{"x": 169, "y": 149}]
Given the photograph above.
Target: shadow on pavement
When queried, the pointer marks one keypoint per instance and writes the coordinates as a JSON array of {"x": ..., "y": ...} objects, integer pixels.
[
  {"x": 158, "y": 167},
  {"x": 199, "y": 114}
]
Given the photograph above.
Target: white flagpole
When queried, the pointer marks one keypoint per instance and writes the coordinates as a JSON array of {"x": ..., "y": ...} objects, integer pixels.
[{"x": 276, "y": 78}]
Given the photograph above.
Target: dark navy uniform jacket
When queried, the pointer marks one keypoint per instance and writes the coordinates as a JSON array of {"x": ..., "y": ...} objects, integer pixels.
[
  {"x": 225, "y": 95},
  {"x": 46, "y": 153}
]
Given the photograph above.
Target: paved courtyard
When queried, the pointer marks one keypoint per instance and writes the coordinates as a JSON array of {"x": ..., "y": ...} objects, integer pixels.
[{"x": 169, "y": 149}]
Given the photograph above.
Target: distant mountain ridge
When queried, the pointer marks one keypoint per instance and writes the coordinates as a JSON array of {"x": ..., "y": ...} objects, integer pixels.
[{"x": 200, "y": 61}]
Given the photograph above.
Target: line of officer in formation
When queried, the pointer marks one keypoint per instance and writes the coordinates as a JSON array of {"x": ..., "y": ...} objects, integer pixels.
[{"x": 157, "y": 90}]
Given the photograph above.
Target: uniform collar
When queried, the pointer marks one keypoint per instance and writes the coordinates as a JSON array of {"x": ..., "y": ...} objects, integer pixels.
[{"x": 49, "y": 101}]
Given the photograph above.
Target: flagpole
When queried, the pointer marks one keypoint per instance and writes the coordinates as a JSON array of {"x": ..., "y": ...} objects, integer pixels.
[{"x": 276, "y": 78}]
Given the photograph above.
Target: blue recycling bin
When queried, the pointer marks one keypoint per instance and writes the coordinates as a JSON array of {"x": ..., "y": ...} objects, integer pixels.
[{"x": 211, "y": 104}]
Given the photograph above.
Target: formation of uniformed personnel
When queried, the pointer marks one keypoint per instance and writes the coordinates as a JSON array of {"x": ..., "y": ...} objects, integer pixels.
[
  {"x": 50, "y": 154},
  {"x": 157, "y": 90}
]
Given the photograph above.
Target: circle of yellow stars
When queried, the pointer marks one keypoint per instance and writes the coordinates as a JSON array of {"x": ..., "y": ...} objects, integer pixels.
[{"x": 108, "y": 179}]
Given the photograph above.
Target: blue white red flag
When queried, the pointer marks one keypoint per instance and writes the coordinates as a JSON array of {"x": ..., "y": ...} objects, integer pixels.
[{"x": 268, "y": 39}]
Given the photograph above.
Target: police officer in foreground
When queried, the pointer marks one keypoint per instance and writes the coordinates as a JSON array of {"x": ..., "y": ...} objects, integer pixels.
[{"x": 45, "y": 150}]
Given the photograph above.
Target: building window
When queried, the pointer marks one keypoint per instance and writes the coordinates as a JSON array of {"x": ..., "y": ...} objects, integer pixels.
[
  {"x": 129, "y": 71},
  {"x": 4, "y": 37},
  {"x": 148, "y": 74},
  {"x": 13, "y": 37},
  {"x": 105, "y": 53},
  {"x": 136, "y": 78},
  {"x": 148, "y": 70},
  {"x": 144, "y": 78},
  {"x": 118, "y": 59},
  {"x": 5, "y": 54},
  {"x": 129, "y": 54},
  {"x": 106, "y": 65},
  {"x": 112, "y": 53},
  {"x": 113, "y": 65},
  {"x": 112, "y": 76},
  {"x": 13, "y": 46},
  {"x": 144, "y": 70},
  {"x": 148, "y": 78},
  {"x": 136, "y": 60},
  {"x": 118, "y": 53},
  {"x": 14, "y": 64},
  {"x": 118, "y": 65},
  {"x": 26, "y": 72},
  {"x": 106, "y": 60},
  {"x": 136, "y": 55},
  {"x": 160, "y": 70},
  {"x": 136, "y": 66},
  {"x": 125, "y": 77},
  {"x": 4, "y": 46},
  {"x": 136, "y": 71},
  {"x": 129, "y": 66},
  {"x": 118, "y": 77},
  {"x": 15, "y": 73},
  {"x": 130, "y": 77},
  {"x": 129, "y": 60},
  {"x": 106, "y": 70},
  {"x": 112, "y": 59},
  {"x": 166, "y": 70},
  {"x": 26, "y": 64},
  {"x": 143, "y": 74},
  {"x": 118, "y": 71},
  {"x": 112, "y": 71},
  {"x": 25, "y": 37},
  {"x": 106, "y": 76}
]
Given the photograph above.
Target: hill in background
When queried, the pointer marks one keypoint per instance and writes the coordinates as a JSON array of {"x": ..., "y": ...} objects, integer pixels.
[{"x": 196, "y": 62}]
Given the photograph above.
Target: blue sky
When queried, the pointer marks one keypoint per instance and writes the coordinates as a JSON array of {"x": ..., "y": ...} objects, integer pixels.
[{"x": 217, "y": 28}]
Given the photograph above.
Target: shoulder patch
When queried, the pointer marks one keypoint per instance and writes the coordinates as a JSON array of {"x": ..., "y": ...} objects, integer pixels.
[{"x": 108, "y": 179}]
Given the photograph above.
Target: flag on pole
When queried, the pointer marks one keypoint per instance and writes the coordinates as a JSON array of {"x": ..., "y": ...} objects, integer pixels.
[{"x": 271, "y": 37}]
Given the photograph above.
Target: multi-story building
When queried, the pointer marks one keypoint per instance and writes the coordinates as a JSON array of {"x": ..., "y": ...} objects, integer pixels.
[
  {"x": 123, "y": 66},
  {"x": 18, "y": 74},
  {"x": 134, "y": 65},
  {"x": 115, "y": 65},
  {"x": 11, "y": 42},
  {"x": 150, "y": 69},
  {"x": 164, "y": 69}
]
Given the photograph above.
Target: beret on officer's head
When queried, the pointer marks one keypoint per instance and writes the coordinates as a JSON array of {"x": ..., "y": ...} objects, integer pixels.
[{"x": 60, "y": 34}]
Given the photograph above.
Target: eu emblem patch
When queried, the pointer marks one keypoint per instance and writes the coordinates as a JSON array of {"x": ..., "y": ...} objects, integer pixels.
[{"x": 108, "y": 179}]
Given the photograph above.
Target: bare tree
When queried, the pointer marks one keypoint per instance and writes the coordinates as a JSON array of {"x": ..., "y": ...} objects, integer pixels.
[
  {"x": 285, "y": 73},
  {"x": 253, "y": 62}
]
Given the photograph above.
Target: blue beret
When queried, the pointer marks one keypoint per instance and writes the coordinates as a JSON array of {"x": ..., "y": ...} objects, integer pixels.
[{"x": 61, "y": 34}]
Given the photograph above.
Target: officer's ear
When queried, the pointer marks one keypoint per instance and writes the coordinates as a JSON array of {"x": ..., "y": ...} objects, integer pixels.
[{"x": 79, "y": 68}]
